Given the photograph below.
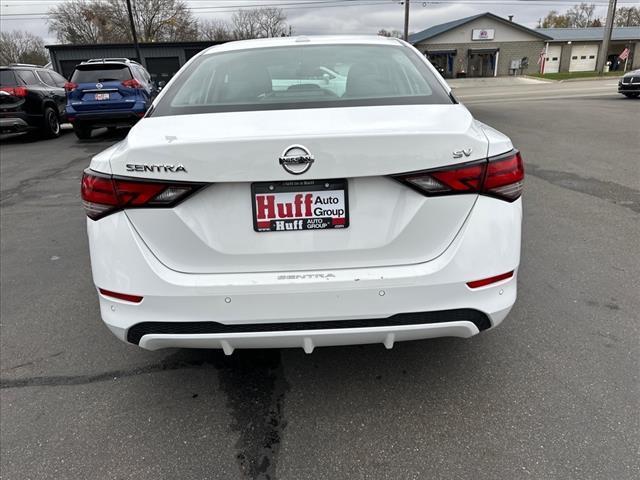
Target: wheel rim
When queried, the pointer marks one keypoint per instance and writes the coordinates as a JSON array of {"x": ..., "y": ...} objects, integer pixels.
[{"x": 53, "y": 123}]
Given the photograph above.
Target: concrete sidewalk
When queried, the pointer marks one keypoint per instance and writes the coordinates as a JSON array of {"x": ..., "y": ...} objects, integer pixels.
[{"x": 493, "y": 81}]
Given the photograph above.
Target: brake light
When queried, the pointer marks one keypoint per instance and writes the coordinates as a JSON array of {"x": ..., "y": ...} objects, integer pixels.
[
  {"x": 70, "y": 86},
  {"x": 105, "y": 194},
  {"x": 19, "y": 92},
  {"x": 132, "y": 83},
  {"x": 501, "y": 176}
]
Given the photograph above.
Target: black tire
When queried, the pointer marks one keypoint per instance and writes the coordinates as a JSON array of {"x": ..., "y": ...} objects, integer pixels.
[
  {"x": 50, "y": 123},
  {"x": 83, "y": 132},
  {"x": 631, "y": 95}
]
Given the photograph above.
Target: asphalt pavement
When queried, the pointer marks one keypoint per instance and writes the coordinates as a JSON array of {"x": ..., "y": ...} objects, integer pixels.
[{"x": 553, "y": 393}]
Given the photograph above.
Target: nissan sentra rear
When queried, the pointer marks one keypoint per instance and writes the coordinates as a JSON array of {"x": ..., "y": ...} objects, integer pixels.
[{"x": 265, "y": 203}]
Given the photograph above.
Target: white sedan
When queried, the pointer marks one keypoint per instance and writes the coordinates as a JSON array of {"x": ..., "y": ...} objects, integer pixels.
[{"x": 239, "y": 215}]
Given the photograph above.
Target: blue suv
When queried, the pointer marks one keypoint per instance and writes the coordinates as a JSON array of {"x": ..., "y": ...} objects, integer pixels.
[{"x": 107, "y": 92}]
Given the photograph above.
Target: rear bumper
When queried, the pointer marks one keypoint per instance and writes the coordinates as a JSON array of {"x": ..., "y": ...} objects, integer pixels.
[
  {"x": 247, "y": 305},
  {"x": 13, "y": 125},
  {"x": 106, "y": 118}
]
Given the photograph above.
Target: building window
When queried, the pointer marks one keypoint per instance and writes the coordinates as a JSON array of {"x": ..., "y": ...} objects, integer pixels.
[
  {"x": 555, "y": 59},
  {"x": 583, "y": 57},
  {"x": 574, "y": 58},
  {"x": 592, "y": 56}
]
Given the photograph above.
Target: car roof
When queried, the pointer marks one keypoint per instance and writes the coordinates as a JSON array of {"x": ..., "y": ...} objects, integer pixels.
[{"x": 303, "y": 40}]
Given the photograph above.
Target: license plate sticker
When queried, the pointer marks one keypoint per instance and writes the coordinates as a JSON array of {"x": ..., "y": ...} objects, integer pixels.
[
  {"x": 102, "y": 96},
  {"x": 300, "y": 205}
]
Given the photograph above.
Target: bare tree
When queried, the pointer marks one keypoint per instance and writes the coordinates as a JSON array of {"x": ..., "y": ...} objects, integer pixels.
[
  {"x": 79, "y": 21},
  {"x": 259, "y": 23},
  {"x": 581, "y": 16},
  {"x": 627, "y": 17},
  {"x": 390, "y": 33},
  {"x": 578, "y": 16},
  {"x": 215, "y": 30},
  {"x": 22, "y": 47},
  {"x": 99, "y": 21}
]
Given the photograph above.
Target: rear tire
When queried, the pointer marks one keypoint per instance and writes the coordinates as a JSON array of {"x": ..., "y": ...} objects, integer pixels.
[
  {"x": 50, "y": 123},
  {"x": 631, "y": 95},
  {"x": 83, "y": 132}
]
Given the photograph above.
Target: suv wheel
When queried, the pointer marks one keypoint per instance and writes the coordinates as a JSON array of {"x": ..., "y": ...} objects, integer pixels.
[
  {"x": 83, "y": 132},
  {"x": 51, "y": 123}
]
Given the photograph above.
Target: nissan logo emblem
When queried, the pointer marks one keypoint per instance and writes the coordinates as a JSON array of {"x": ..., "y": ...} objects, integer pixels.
[
  {"x": 296, "y": 159},
  {"x": 99, "y": 85}
]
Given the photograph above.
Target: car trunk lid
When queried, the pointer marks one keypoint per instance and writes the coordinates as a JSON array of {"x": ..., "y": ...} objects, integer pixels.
[{"x": 389, "y": 224}]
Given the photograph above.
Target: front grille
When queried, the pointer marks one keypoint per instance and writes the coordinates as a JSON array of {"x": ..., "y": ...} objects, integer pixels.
[
  {"x": 627, "y": 80},
  {"x": 479, "y": 319}
]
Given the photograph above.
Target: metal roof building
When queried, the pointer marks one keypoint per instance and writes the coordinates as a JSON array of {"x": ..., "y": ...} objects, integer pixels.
[{"x": 162, "y": 60}]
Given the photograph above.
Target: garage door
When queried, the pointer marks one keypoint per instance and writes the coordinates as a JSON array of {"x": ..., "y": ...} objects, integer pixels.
[
  {"x": 552, "y": 63},
  {"x": 583, "y": 58}
]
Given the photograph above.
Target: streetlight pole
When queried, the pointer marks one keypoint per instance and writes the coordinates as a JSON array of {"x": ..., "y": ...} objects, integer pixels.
[
  {"x": 602, "y": 58},
  {"x": 133, "y": 31},
  {"x": 406, "y": 21}
]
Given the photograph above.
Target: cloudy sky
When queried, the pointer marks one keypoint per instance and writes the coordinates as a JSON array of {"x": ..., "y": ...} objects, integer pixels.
[{"x": 326, "y": 16}]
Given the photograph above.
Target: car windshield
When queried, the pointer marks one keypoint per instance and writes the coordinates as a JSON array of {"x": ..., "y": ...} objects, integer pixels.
[
  {"x": 100, "y": 73},
  {"x": 306, "y": 76},
  {"x": 7, "y": 78}
]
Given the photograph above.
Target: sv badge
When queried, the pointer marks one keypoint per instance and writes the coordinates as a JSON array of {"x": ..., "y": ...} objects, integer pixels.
[{"x": 460, "y": 153}]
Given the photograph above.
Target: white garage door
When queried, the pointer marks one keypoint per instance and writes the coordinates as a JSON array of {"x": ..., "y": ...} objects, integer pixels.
[
  {"x": 583, "y": 58},
  {"x": 552, "y": 62}
]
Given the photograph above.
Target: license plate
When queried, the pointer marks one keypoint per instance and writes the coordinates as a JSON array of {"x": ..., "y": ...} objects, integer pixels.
[
  {"x": 102, "y": 96},
  {"x": 300, "y": 205}
]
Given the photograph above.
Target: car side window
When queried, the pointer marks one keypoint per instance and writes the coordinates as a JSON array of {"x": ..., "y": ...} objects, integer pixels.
[
  {"x": 58, "y": 79},
  {"x": 27, "y": 77},
  {"x": 46, "y": 78}
]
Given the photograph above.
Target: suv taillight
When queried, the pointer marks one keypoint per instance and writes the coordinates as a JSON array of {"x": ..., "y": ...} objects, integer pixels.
[
  {"x": 19, "y": 92},
  {"x": 70, "y": 86},
  {"x": 501, "y": 177},
  {"x": 105, "y": 194},
  {"x": 132, "y": 83}
]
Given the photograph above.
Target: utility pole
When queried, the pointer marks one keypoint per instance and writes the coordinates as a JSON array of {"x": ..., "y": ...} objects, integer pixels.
[
  {"x": 602, "y": 58},
  {"x": 133, "y": 31},
  {"x": 406, "y": 21}
]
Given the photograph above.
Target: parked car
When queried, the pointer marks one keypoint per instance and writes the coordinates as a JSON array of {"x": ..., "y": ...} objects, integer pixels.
[
  {"x": 629, "y": 84},
  {"x": 107, "y": 93},
  {"x": 31, "y": 98},
  {"x": 235, "y": 215}
]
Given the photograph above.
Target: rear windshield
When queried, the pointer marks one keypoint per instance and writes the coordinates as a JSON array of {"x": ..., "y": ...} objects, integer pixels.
[
  {"x": 100, "y": 73},
  {"x": 305, "y": 76},
  {"x": 7, "y": 78}
]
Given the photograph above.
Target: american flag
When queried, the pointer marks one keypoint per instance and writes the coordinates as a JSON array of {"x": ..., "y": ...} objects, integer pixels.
[
  {"x": 541, "y": 59},
  {"x": 624, "y": 55}
]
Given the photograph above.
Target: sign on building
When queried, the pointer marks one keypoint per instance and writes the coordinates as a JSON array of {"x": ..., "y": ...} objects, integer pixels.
[{"x": 483, "y": 34}]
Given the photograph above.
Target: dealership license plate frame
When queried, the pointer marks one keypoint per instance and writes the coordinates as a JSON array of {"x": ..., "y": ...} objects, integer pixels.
[{"x": 300, "y": 186}]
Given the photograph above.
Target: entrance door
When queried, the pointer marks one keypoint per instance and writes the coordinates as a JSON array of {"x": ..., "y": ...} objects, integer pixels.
[
  {"x": 443, "y": 62},
  {"x": 583, "y": 58},
  {"x": 552, "y": 62},
  {"x": 482, "y": 64}
]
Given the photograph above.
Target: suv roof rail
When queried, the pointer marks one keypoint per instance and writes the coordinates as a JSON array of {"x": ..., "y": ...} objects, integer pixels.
[
  {"x": 112, "y": 59},
  {"x": 25, "y": 65}
]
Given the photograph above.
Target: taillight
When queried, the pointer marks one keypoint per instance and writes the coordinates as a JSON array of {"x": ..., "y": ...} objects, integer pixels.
[
  {"x": 132, "y": 83},
  {"x": 19, "y": 92},
  {"x": 500, "y": 176},
  {"x": 505, "y": 177},
  {"x": 70, "y": 86},
  {"x": 105, "y": 194}
]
